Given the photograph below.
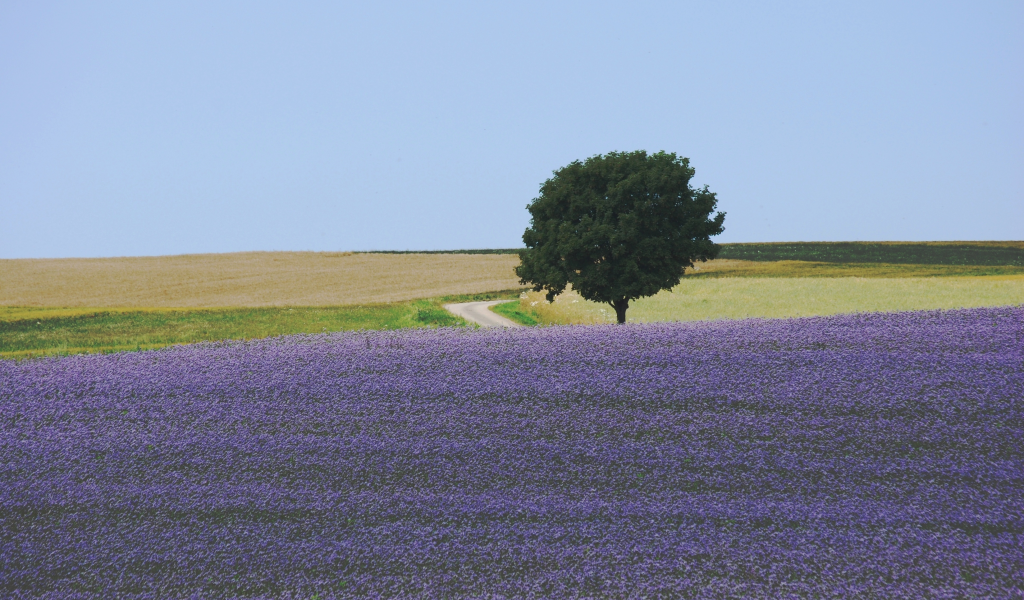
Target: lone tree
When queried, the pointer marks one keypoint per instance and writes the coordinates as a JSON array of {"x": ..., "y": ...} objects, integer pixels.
[{"x": 618, "y": 227}]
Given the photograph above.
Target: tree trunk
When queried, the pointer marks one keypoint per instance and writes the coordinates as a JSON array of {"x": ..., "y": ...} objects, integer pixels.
[{"x": 620, "y": 307}]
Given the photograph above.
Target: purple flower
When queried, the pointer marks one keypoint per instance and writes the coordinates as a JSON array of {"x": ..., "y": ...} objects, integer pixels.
[{"x": 848, "y": 456}]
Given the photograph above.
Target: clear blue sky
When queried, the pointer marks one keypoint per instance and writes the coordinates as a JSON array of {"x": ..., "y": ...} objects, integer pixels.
[{"x": 145, "y": 128}]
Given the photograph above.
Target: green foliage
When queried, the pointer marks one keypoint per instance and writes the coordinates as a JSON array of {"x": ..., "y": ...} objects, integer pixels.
[
  {"x": 433, "y": 315},
  {"x": 923, "y": 253},
  {"x": 618, "y": 227},
  {"x": 516, "y": 312}
]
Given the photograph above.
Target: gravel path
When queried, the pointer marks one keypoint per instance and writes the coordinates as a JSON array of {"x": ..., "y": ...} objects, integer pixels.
[{"x": 479, "y": 313}]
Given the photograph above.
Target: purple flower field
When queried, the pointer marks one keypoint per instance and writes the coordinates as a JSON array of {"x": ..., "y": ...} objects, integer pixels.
[{"x": 853, "y": 456}]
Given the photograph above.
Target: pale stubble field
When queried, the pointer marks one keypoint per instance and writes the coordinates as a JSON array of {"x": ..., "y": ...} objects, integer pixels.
[{"x": 250, "y": 279}]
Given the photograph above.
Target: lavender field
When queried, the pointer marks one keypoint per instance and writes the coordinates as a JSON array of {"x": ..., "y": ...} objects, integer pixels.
[{"x": 852, "y": 456}]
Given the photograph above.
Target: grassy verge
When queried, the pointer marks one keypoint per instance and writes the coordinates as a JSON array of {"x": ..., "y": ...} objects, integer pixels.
[
  {"x": 517, "y": 312},
  {"x": 499, "y": 295},
  {"x": 742, "y": 297},
  {"x": 27, "y": 332}
]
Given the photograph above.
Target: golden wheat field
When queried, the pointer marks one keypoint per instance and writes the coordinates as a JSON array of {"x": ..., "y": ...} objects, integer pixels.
[
  {"x": 698, "y": 299},
  {"x": 250, "y": 279}
]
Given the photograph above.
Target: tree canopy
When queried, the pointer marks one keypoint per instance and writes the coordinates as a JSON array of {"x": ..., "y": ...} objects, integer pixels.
[{"x": 617, "y": 227}]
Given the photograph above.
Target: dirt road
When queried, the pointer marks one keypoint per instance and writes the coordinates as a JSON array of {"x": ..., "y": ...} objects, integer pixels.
[{"x": 479, "y": 313}]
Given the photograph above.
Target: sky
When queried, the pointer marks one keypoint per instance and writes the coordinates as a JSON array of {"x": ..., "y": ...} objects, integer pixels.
[{"x": 154, "y": 128}]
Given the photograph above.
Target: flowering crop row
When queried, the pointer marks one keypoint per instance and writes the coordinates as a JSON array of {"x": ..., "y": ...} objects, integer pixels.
[{"x": 859, "y": 455}]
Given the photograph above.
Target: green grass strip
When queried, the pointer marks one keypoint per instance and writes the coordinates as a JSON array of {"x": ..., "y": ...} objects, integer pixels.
[
  {"x": 517, "y": 313},
  {"x": 27, "y": 332}
]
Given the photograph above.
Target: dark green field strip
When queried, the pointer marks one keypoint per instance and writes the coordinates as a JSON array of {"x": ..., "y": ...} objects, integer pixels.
[
  {"x": 924, "y": 253},
  {"x": 798, "y": 268}
]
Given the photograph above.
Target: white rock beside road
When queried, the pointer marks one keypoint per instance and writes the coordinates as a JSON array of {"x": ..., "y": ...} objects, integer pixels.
[{"x": 480, "y": 313}]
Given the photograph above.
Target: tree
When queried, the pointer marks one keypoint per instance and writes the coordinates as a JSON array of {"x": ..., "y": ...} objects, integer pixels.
[{"x": 618, "y": 227}]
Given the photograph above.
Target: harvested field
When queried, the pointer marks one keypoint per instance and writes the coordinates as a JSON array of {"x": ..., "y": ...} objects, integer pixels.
[
  {"x": 250, "y": 279},
  {"x": 257, "y": 279}
]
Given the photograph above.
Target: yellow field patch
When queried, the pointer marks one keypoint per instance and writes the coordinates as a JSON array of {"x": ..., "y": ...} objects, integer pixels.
[
  {"x": 249, "y": 279},
  {"x": 697, "y": 299}
]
